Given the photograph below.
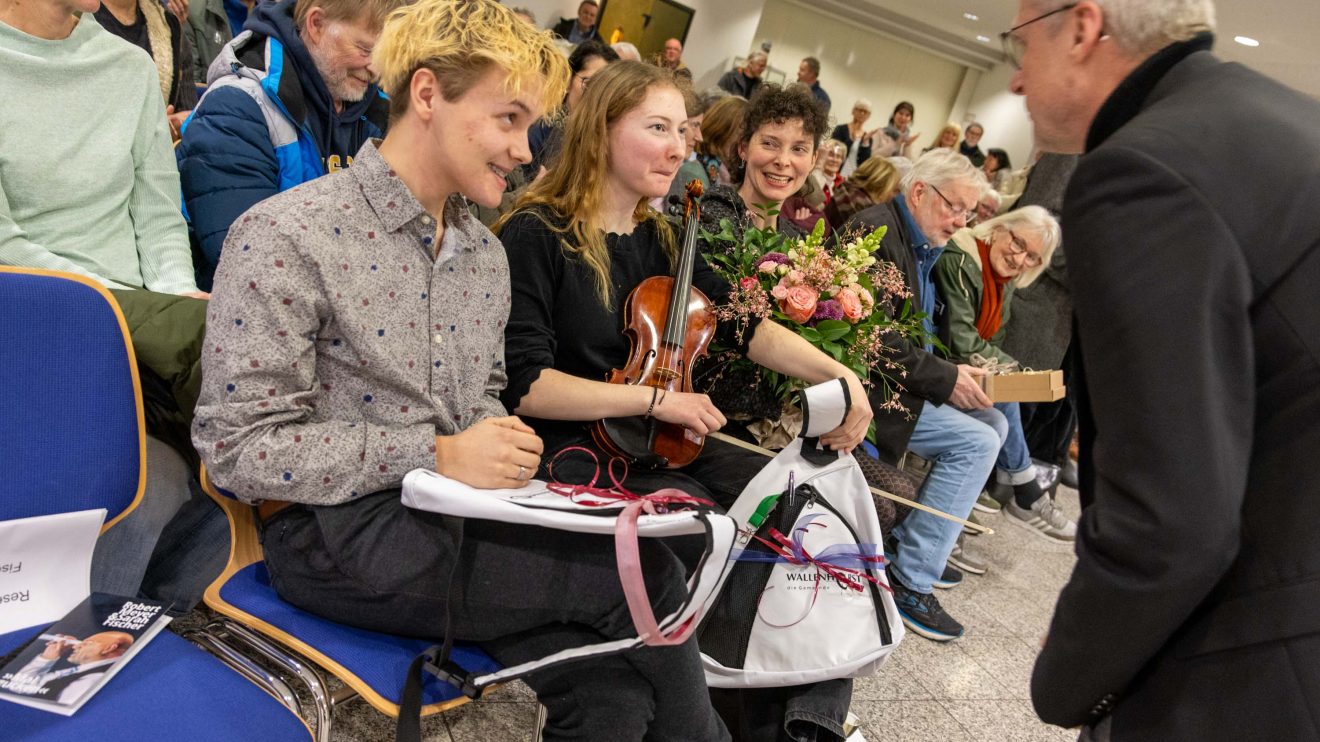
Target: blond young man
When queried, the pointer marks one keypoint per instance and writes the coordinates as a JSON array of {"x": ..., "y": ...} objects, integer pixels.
[{"x": 357, "y": 332}]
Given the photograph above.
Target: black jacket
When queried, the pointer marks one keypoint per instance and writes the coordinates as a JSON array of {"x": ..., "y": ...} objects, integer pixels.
[
  {"x": 1194, "y": 256},
  {"x": 929, "y": 378},
  {"x": 565, "y": 27}
]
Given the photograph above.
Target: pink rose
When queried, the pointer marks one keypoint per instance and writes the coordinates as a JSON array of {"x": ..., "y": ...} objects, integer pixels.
[
  {"x": 799, "y": 303},
  {"x": 851, "y": 304},
  {"x": 780, "y": 291},
  {"x": 796, "y": 276},
  {"x": 768, "y": 266},
  {"x": 748, "y": 283}
]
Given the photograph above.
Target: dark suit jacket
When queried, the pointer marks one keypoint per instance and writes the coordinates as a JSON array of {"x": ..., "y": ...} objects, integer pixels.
[
  {"x": 929, "y": 377},
  {"x": 1194, "y": 259},
  {"x": 565, "y": 27}
]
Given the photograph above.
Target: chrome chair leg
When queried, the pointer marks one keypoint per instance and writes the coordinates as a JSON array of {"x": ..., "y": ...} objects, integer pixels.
[
  {"x": 299, "y": 667},
  {"x": 239, "y": 663}
]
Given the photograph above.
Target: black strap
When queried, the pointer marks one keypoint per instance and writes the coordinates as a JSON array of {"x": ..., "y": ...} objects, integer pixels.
[{"x": 435, "y": 660}]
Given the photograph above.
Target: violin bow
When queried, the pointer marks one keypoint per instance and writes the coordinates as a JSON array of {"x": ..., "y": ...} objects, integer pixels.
[{"x": 887, "y": 495}]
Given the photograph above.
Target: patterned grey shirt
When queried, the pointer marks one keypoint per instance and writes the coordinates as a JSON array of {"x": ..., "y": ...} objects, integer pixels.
[{"x": 337, "y": 348}]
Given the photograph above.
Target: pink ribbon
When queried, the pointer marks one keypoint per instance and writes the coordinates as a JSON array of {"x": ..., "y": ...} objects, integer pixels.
[{"x": 625, "y": 539}]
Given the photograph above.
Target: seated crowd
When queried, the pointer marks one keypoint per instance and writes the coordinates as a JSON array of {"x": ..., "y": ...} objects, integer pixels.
[{"x": 335, "y": 187}]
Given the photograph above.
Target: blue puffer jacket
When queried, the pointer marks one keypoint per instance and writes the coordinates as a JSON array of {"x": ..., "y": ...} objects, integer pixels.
[{"x": 266, "y": 124}]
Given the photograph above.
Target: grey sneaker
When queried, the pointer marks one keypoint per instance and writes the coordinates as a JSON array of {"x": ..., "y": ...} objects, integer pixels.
[
  {"x": 987, "y": 504},
  {"x": 968, "y": 531},
  {"x": 1044, "y": 519},
  {"x": 966, "y": 559}
]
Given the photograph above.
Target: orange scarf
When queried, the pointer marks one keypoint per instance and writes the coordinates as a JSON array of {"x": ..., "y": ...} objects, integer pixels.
[{"x": 991, "y": 315}]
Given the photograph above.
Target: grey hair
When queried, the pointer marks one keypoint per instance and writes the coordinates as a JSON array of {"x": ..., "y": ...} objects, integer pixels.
[
  {"x": 991, "y": 193},
  {"x": 941, "y": 167},
  {"x": 862, "y": 103},
  {"x": 758, "y": 55},
  {"x": 1026, "y": 219},
  {"x": 1143, "y": 27}
]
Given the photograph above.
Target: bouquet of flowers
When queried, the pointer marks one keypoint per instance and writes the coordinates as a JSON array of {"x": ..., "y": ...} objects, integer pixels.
[{"x": 835, "y": 297}]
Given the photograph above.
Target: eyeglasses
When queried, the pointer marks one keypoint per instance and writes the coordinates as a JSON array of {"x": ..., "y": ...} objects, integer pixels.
[
  {"x": 1018, "y": 248},
  {"x": 1014, "y": 46},
  {"x": 958, "y": 213}
]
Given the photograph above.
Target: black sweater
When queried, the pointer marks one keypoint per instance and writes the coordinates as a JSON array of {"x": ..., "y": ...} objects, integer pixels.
[{"x": 557, "y": 321}]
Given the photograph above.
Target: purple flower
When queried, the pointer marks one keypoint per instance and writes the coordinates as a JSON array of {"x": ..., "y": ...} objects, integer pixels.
[
  {"x": 778, "y": 258},
  {"x": 827, "y": 309}
]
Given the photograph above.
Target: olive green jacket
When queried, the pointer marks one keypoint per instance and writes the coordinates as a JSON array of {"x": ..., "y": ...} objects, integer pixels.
[{"x": 958, "y": 276}]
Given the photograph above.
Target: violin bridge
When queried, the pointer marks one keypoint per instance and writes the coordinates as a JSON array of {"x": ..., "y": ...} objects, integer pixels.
[{"x": 666, "y": 374}]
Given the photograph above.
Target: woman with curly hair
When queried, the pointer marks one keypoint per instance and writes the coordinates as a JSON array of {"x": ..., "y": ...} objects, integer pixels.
[{"x": 777, "y": 151}]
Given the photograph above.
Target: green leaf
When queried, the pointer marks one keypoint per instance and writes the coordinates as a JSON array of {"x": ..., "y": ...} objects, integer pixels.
[
  {"x": 833, "y": 329},
  {"x": 810, "y": 333}
]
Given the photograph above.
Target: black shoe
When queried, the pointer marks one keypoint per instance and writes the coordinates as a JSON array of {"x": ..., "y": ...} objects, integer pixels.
[
  {"x": 923, "y": 614},
  {"x": 1068, "y": 476},
  {"x": 951, "y": 578}
]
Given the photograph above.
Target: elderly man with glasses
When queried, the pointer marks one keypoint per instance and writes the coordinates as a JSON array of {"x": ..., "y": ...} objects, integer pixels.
[
  {"x": 948, "y": 419},
  {"x": 1193, "y": 255}
]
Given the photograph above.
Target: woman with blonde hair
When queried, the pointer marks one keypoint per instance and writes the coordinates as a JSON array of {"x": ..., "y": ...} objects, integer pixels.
[
  {"x": 721, "y": 130},
  {"x": 581, "y": 239},
  {"x": 873, "y": 182},
  {"x": 948, "y": 138}
]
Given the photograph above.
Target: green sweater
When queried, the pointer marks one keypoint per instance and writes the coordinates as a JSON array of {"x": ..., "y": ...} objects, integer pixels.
[
  {"x": 958, "y": 275},
  {"x": 88, "y": 182}
]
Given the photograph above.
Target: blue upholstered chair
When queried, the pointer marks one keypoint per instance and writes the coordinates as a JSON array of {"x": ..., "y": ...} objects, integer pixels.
[
  {"x": 370, "y": 665},
  {"x": 72, "y": 438}
]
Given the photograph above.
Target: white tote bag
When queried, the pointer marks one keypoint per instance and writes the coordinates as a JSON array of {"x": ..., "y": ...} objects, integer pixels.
[{"x": 808, "y": 599}]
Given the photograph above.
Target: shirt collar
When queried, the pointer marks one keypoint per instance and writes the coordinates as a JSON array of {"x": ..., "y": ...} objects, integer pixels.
[
  {"x": 395, "y": 205},
  {"x": 919, "y": 238},
  {"x": 1128, "y": 98}
]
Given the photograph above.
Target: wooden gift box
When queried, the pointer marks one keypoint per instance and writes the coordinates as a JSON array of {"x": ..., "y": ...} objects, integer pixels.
[{"x": 1025, "y": 386}]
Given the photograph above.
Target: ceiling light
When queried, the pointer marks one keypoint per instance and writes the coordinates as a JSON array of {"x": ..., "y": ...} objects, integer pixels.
[
  {"x": 983, "y": 39},
  {"x": 1246, "y": 41},
  {"x": 971, "y": 16}
]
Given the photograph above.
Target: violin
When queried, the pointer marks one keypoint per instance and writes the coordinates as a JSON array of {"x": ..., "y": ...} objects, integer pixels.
[{"x": 669, "y": 324}]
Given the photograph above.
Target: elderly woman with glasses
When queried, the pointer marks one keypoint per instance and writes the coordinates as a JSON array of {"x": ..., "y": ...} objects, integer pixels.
[{"x": 976, "y": 276}]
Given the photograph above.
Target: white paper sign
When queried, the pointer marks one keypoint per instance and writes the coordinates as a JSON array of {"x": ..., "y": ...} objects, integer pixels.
[{"x": 45, "y": 566}]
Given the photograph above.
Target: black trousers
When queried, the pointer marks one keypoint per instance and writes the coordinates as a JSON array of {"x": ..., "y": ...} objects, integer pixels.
[{"x": 523, "y": 593}]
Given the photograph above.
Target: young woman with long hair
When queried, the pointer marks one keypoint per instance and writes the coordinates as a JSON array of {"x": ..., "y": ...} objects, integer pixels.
[{"x": 581, "y": 239}]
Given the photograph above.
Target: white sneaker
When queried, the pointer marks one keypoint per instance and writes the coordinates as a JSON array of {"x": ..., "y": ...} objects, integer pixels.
[{"x": 1044, "y": 519}]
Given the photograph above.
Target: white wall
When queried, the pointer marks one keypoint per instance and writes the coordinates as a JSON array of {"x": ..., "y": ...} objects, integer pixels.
[
  {"x": 859, "y": 63},
  {"x": 1003, "y": 115}
]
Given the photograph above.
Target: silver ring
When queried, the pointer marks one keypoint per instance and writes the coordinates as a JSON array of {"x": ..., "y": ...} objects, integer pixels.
[{"x": 522, "y": 472}]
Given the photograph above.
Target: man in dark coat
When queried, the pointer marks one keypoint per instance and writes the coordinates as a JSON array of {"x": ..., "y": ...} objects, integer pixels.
[
  {"x": 744, "y": 80},
  {"x": 1194, "y": 610},
  {"x": 580, "y": 29}
]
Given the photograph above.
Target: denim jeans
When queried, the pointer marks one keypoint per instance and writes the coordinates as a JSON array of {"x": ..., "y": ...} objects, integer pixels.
[
  {"x": 123, "y": 552},
  {"x": 1013, "y": 465},
  {"x": 172, "y": 545},
  {"x": 962, "y": 450}
]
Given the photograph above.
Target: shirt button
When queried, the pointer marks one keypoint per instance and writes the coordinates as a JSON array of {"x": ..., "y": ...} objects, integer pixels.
[
  {"x": 438, "y": 339},
  {"x": 426, "y": 220}
]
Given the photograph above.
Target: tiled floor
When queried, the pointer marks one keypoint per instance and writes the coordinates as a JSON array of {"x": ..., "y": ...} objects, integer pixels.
[{"x": 975, "y": 688}]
